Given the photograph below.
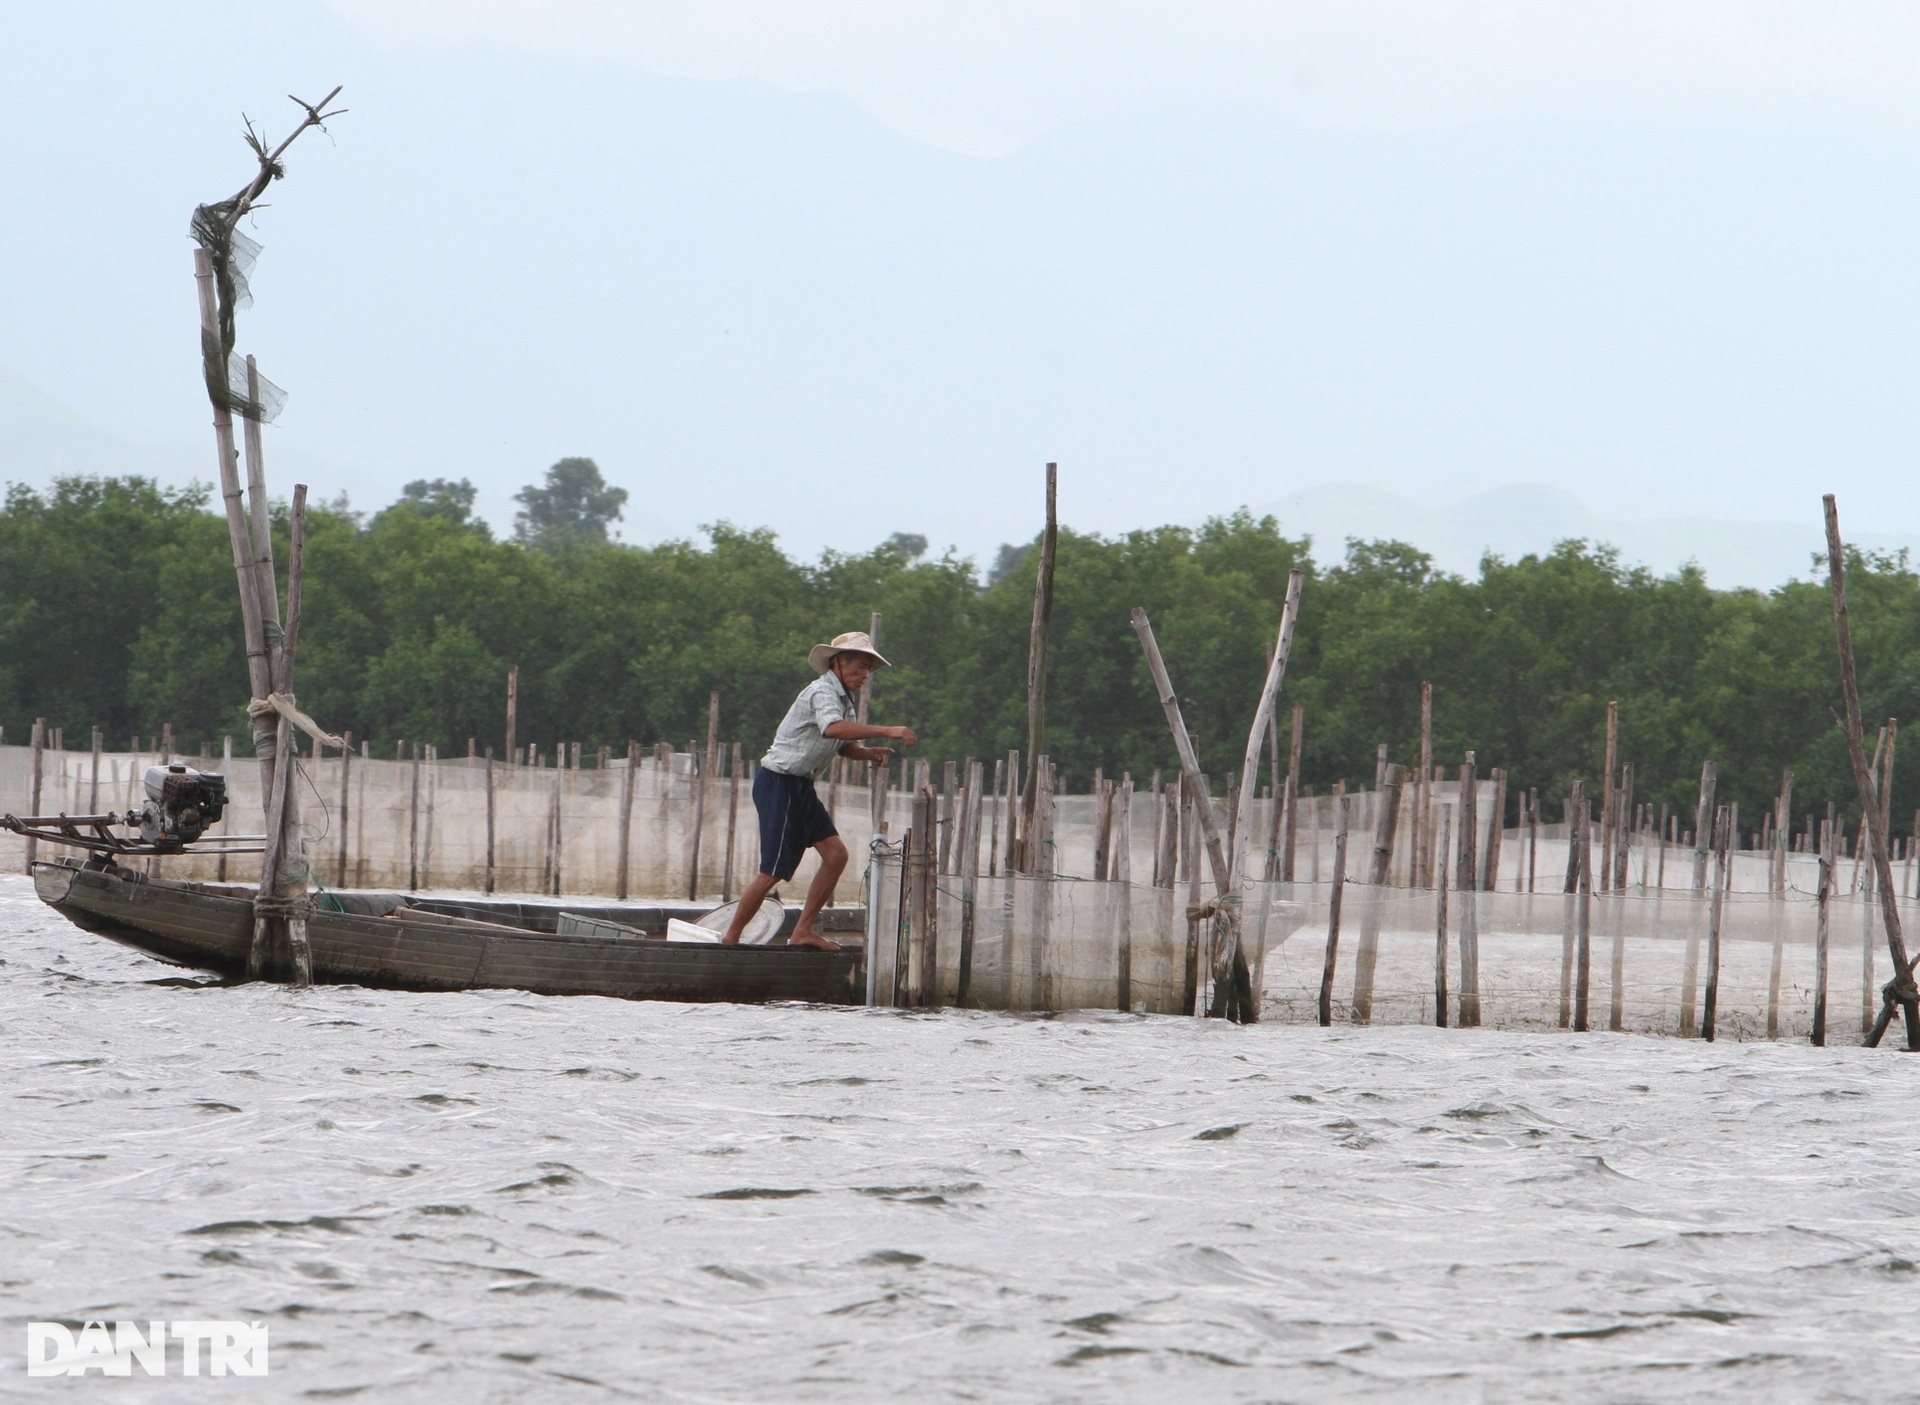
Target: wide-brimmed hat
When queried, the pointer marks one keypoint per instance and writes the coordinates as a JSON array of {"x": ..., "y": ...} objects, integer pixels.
[{"x": 858, "y": 642}]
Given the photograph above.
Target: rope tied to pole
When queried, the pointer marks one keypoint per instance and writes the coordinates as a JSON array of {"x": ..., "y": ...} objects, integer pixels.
[
  {"x": 281, "y": 908},
  {"x": 283, "y": 704}
]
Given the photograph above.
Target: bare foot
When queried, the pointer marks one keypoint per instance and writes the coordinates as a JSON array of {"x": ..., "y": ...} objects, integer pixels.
[{"x": 812, "y": 939}]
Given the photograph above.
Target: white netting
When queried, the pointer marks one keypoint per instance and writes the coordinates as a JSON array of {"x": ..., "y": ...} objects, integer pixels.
[{"x": 1056, "y": 942}]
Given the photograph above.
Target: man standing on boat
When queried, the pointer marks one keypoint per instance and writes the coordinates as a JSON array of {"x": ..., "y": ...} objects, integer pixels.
[{"x": 818, "y": 727}]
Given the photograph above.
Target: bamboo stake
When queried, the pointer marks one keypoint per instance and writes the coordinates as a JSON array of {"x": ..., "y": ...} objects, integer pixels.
[
  {"x": 713, "y": 733},
  {"x": 1423, "y": 802},
  {"x": 1886, "y": 782},
  {"x": 1583, "y": 922},
  {"x": 239, "y": 537},
  {"x": 1861, "y": 870},
  {"x": 1122, "y": 881},
  {"x": 1037, "y": 664},
  {"x": 1464, "y": 885},
  {"x": 970, "y": 878},
  {"x": 1257, "y": 734},
  {"x": 265, "y": 584},
  {"x": 1183, "y": 743},
  {"x": 413, "y": 824},
  {"x": 281, "y": 896},
  {"x": 513, "y": 717},
  {"x": 39, "y": 762},
  {"x": 1666, "y": 827},
  {"x": 1190, "y": 843},
  {"x": 1011, "y": 861},
  {"x": 491, "y": 825},
  {"x": 426, "y": 838},
  {"x": 1333, "y": 917},
  {"x": 1102, "y": 824},
  {"x": 1496, "y": 827},
  {"x": 1290, "y": 843},
  {"x": 1623, "y": 829},
  {"x": 929, "y": 969},
  {"x": 698, "y": 781},
  {"x": 262, "y": 958},
  {"x": 226, "y": 820},
  {"x": 1606, "y": 797},
  {"x": 559, "y": 834},
  {"x": 1167, "y": 851},
  {"x": 1829, "y": 843},
  {"x": 93, "y": 792},
  {"x": 1367, "y": 955},
  {"x": 1722, "y": 879},
  {"x": 1440, "y": 918},
  {"x": 623, "y": 864},
  {"x": 1703, "y": 826},
  {"x": 733, "y": 823},
  {"x": 340, "y": 849},
  {"x": 1900, "y": 990},
  {"x": 1617, "y": 965}
]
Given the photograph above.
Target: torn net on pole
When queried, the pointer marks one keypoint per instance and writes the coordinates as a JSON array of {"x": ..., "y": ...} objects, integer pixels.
[{"x": 233, "y": 255}]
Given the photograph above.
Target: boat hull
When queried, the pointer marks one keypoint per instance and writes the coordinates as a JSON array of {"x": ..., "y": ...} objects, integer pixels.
[{"x": 188, "y": 925}]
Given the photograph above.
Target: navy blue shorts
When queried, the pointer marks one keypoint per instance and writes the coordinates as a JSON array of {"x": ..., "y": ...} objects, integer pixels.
[{"x": 792, "y": 820}]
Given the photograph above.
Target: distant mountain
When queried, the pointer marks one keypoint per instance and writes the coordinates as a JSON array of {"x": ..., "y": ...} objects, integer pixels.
[
  {"x": 41, "y": 437},
  {"x": 1520, "y": 518}
]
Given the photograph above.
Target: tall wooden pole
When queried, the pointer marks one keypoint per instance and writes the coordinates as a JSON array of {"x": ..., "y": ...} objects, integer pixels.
[
  {"x": 1873, "y": 830},
  {"x": 1037, "y": 667}
]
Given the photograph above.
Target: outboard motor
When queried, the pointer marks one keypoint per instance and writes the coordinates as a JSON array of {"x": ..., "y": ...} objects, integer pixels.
[{"x": 181, "y": 803}]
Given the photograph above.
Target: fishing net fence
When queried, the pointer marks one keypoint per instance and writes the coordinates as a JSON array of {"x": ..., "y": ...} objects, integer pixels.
[{"x": 1063, "y": 938}]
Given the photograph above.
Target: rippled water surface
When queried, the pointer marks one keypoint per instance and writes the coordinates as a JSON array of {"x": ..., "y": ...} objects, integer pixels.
[{"x": 505, "y": 1197}]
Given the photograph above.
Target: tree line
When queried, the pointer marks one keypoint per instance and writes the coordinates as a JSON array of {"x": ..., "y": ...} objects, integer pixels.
[{"x": 118, "y": 609}]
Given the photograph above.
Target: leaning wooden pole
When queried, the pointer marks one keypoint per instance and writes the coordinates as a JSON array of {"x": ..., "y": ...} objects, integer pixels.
[
  {"x": 1262, "y": 724},
  {"x": 1037, "y": 667},
  {"x": 1189, "y": 760},
  {"x": 1900, "y": 990}
]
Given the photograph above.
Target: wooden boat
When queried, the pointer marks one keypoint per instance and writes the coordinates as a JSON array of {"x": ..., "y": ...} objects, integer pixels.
[{"x": 407, "y": 943}]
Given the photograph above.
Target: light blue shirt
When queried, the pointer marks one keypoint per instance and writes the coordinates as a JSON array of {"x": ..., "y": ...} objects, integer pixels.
[{"x": 801, "y": 746}]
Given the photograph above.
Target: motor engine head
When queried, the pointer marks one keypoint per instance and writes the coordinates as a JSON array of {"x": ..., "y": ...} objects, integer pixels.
[{"x": 181, "y": 802}]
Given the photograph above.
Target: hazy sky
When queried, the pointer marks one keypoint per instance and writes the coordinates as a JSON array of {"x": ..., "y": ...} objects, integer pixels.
[{"x": 845, "y": 269}]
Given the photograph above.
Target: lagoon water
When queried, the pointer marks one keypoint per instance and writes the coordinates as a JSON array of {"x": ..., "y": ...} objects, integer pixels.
[{"x": 504, "y": 1197}]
